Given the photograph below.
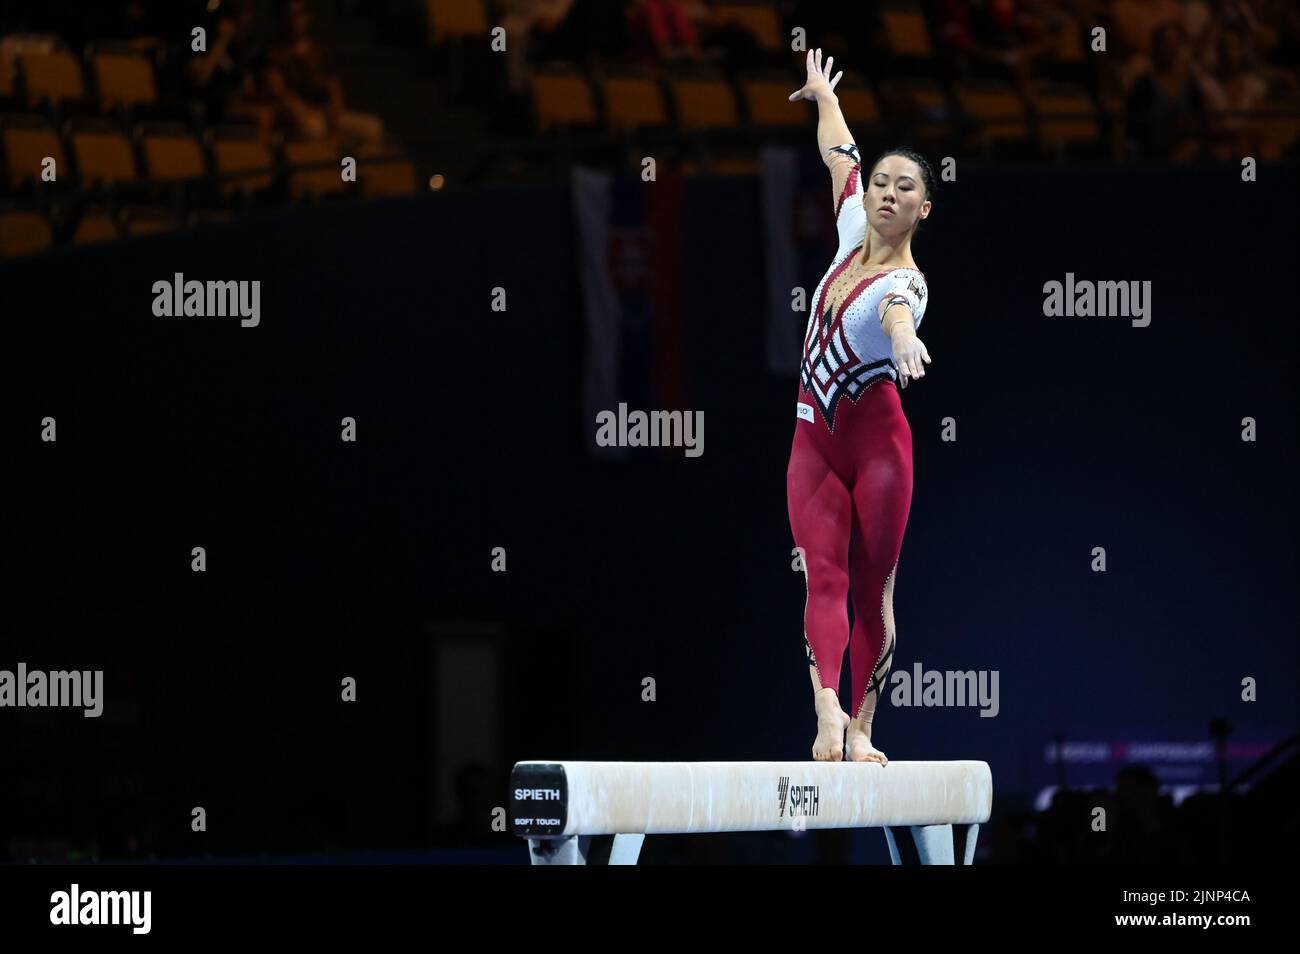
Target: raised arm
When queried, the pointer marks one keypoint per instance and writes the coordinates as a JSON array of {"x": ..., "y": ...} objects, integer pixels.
[{"x": 834, "y": 141}]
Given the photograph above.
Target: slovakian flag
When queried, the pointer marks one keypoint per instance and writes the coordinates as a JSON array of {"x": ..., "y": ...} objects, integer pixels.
[
  {"x": 629, "y": 239},
  {"x": 799, "y": 239}
]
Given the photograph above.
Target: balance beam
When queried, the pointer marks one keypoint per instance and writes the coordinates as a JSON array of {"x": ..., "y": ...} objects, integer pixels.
[{"x": 575, "y": 812}]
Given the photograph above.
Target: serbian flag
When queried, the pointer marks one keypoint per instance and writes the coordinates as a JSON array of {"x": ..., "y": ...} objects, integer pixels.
[{"x": 630, "y": 266}]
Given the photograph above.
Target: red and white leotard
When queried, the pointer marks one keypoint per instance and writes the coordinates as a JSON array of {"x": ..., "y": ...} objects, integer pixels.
[
  {"x": 849, "y": 480},
  {"x": 845, "y": 350}
]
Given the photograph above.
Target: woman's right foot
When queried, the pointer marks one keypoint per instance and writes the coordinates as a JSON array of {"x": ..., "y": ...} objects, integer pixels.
[{"x": 831, "y": 723}]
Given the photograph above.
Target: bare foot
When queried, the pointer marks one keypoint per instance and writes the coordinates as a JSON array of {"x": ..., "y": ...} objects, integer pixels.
[
  {"x": 859, "y": 744},
  {"x": 831, "y": 723}
]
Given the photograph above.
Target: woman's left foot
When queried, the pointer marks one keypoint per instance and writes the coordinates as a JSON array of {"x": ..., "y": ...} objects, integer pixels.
[{"x": 858, "y": 747}]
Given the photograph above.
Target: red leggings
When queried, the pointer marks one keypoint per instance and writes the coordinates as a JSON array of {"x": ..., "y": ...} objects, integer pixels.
[{"x": 855, "y": 482}]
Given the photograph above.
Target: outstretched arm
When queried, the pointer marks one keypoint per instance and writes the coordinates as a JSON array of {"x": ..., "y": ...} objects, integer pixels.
[{"x": 834, "y": 141}]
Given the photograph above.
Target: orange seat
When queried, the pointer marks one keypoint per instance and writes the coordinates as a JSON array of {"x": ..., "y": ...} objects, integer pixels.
[
  {"x": 906, "y": 33},
  {"x": 632, "y": 102},
  {"x": 998, "y": 108},
  {"x": 326, "y": 179},
  {"x": 388, "y": 177},
  {"x": 1071, "y": 49},
  {"x": 94, "y": 228},
  {"x": 858, "y": 104},
  {"x": 1277, "y": 132},
  {"x": 760, "y": 20},
  {"x": 26, "y": 149},
  {"x": 243, "y": 156},
  {"x": 1065, "y": 114},
  {"x": 562, "y": 98},
  {"x": 768, "y": 103},
  {"x": 124, "y": 79},
  {"x": 53, "y": 76},
  {"x": 22, "y": 233},
  {"x": 170, "y": 157},
  {"x": 456, "y": 18},
  {"x": 704, "y": 104},
  {"x": 103, "y": 157}
]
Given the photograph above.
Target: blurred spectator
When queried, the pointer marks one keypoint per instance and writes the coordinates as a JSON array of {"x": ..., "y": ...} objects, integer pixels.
[
  {"x": 1142, "y": 821},
  {"x": 303, "y": 81},
  {"x": 1012, "y": 33},
  {"x": 729, "y": 43},
  {"x": 661, "y": 32},
  {"x": 1279, "y": 39},
  {"x": 1167, "y": 104},
  {"x": 1134, "y": 22},
  {"x": 1233, "y": 16},
  {"x": 224, "y": 78},
  {"x": 1233, "y": 88},
  {"x": 527, "y": 23},
  {"x": 825, "y": 26},
  {"x": 588, "y": 32}
]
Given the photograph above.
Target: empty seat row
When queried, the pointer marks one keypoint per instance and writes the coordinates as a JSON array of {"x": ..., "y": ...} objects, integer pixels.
[
  {"x": 26, "y": 232},
  {"x": 120, "y": 78},
  {"x": 105, "y": 157},
  {"x": 563, "y": 95}
]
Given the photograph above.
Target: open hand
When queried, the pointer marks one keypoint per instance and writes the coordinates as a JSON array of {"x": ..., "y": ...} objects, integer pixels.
[
  {"x": 819, "y": 81},
  {"x": 910, "y": 356}
]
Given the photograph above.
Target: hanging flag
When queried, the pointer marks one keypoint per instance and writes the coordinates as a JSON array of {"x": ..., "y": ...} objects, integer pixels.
[{"x": 630, "y": 267}]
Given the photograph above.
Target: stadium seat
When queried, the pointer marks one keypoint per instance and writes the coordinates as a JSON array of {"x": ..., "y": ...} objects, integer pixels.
[
  {"x": 94, "y": 228},
  {"x": 170, "y": 157},
  {"x": 1071, "y": 50},
  {"x": 906, "y": 33},
  {"x": 243, "y": 155},
  {"x": 562, "y": 96},
  {"x": 703, "y": 103},
  {"x": 1066, "y": 114},
  {"x": 455, "y": 18},
  {"x": 52, "y": 77},
  {"x": 1278, "y": 129},
  {"x": 633, "y": 100},
  {"x": 767, "y": 102},
  {"x": 996, "y": 106},
  {"x": 382, "y": 171},
  {"x": 104, "y": 157},
  {"x": 858, "y": 103},
  {"x": 327, "y": 179},
  {"x": 26, "y": 147},
  {"x": 22, "y": 233},
  {"x": 124, "y": 79},
  {"x": 760, "y": 19}
]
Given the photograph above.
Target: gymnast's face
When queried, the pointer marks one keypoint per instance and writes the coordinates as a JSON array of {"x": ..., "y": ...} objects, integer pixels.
[{"x": 895, "y": 198}]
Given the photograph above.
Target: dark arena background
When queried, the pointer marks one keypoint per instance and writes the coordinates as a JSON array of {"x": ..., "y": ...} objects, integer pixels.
[{"x": 347, "y": 551}]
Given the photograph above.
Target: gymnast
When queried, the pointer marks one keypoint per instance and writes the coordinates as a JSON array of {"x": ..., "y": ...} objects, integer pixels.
[{"x": 849, "y": 481}]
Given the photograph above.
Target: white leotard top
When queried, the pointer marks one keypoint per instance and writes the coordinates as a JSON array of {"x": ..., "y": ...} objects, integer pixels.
[{"x": 844, "y": 348}]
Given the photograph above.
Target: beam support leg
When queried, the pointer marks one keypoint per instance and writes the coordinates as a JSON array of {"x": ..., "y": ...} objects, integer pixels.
[
  {"x": 586, "y": 850},
  {"x": 931, "y": 844},
  {"x": 963, "y": 839}
]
